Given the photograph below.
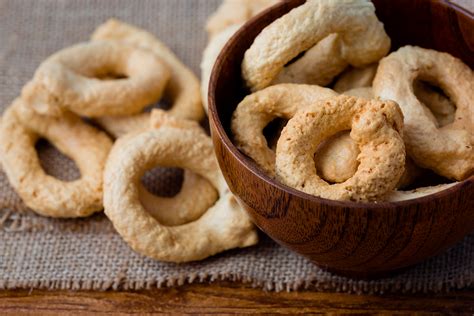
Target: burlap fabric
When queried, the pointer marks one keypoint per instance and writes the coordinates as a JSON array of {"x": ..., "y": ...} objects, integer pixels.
[{"x": 36, "y": 252}]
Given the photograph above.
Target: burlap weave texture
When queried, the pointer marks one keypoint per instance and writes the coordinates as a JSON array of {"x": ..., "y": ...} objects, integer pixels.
[{"x": 37, "y": 252}]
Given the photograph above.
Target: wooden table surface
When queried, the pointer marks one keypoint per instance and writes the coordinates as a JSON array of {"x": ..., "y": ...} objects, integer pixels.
[{"x": 226, "y": 298}]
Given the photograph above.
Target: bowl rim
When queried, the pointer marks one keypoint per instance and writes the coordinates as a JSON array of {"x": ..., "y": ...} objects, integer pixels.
[{"x": 253, "y": 168}]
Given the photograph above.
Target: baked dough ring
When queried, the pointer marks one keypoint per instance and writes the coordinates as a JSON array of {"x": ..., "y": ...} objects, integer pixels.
[
  {"x": 182, "y": 89},
  {"x": 88, "y": 147},
  {"x": 449, "y": 150},
  {"x": 70, "y": 79},
  {"x": 376, "y": 128},
  {"x": 232, "y": 12},
  {"x": 260, "y": 108},
  {"x": 224, "y": 226},
  {"x": 362, "y": 36}
]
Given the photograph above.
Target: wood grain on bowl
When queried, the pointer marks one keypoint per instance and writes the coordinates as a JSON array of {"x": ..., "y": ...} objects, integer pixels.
[{"x": 361, "y": 240}]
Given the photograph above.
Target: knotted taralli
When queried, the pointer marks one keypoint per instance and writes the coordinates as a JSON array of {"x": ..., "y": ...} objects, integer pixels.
[
  {"x": 363, "y": 39},
  {"x": 20, "y": 129},
  {"x": 375, "y": 126},
  {"x": 449, "y": 150},
  {"x": 72, "y": 79},
  {"x": 182, "y": 89},
  {"x": 224, "y": 226}
]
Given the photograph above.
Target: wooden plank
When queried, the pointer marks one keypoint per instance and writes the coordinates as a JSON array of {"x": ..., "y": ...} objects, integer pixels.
[{"x": 225, "y": 298}]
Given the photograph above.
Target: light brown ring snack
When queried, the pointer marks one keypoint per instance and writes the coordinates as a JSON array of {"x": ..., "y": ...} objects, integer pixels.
[
  {"x": 224, "y": 226},
  {"x": 362, "y": 37},
  {"x": 196, "y": 195},
  {"x": 182, "y": 90},
  {"x": 449, "y": 151},
  {"x": 232, "y": 12},
  {"x": 71, "y": 79},
  {"x": 88, "y": 147},
  {"x": 375, "y": 127},
  {"x": 260, "y": 108}
]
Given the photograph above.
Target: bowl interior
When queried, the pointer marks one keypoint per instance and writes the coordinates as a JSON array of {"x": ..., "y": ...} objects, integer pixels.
[{"x": 408, "y": 22}]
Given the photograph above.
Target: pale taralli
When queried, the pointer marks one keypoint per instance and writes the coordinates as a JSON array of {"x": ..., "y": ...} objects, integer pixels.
[
  {"x": 449, "y": 150},
  {"x": 88, "y": 147},
  {"x": 182, "y": 90},
  {"x": 71, "y": 79},
  {"x": 375, "y": 126},
  {"x": 363, "y": 39},
  {"x": 223, "y": 226}
]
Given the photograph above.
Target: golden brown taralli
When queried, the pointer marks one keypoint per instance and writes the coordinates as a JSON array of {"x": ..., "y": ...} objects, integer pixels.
[
  {"x": 20, "y": 129},
  {"x": 363, "y": 38},
  {"x": 71, "y": 79},
  {"x": 375, "y": 126},
  {"x": 449, "y": 150},
  {"x": 223, "y": 226}
]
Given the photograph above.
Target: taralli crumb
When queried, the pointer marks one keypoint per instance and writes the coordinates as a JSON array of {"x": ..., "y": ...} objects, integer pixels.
[
  {"x": 232, "y": 12},
  {"x": 318, "y": 66},
  {"x": 362, "y": 37},
  {"x": 182, "y": 90},
  {"x": 20, "y": 129},
  {"x": 375, "y": 126},
  {"x": 72, "y": 79},
  {"x": 258, "y": 109},
  {"x": 449, "y": 151},
  {"x": 223, "y": 226}
]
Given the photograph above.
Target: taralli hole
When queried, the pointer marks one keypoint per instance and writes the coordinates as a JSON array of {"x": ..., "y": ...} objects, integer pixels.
[{"x": 362, "y": 36}]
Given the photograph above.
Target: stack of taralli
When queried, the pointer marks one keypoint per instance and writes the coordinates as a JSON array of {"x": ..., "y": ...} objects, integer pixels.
[
  {"x": 380, "y": 124},
  {"x": 112, "y": 80}
]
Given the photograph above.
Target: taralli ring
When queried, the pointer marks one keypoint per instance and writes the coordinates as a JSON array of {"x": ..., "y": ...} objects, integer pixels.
[
  {"x": 182, "y": 90},
  {"x": 449, "y": 151},
  {"x": 88, "y": 147},
  {"x": 258, "y": 109},
  {"x": 375, "y": 127},
  {"x": 78, "y": 78},
  {"x": 363, "y": 38},
  {"x": 223, "y": 226},
  {"x": 196, "y": 195}
]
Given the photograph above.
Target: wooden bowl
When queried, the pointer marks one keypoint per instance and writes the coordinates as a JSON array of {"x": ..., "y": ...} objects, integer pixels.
[{"x": 354, "y": 239}]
